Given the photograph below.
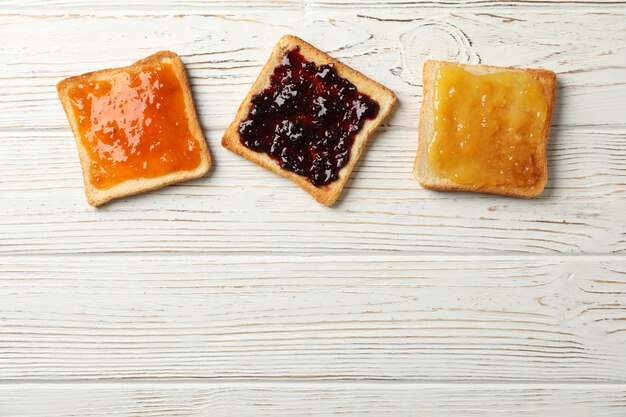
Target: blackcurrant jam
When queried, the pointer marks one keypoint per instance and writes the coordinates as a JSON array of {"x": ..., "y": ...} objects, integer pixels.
[{"x": 307, "y": 118}]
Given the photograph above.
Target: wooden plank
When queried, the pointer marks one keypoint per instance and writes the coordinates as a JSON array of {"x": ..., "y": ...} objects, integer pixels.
[
  {"x": 165, "y": 6},
  {"x": 332, "y": 317},
  {"x": 242, "y": 208},
  {"x": 510, "y": 5},
  {"x": 224, "y": 55},
  {"x": 315, "y": 400},
  {"x": 156, "y": 6}
]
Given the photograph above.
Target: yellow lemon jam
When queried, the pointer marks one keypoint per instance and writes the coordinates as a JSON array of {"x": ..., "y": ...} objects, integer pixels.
[{"x": 488, "y": 128}]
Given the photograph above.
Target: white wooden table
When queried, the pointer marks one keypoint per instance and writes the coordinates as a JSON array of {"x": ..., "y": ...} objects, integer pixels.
[{"x": 238, "y": 295}]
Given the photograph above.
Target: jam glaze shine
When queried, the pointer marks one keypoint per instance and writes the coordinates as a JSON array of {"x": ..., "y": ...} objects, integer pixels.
[
  {"x": 133, "y": 125},
  {"x": 487, "y": 127},
  {"x": 307, "y": 118}
]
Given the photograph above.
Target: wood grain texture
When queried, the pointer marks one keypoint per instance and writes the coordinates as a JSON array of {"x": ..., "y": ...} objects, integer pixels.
[
  {"x": 346, "y": 317},
  {"x": 237, "y": 295},
  {"x": 243, "y": 208},
  {"x": 225, "y": 53},
  {"x": 240, "y": 207},
  {"x": 200, "y": 6},
  {"x": 314, "y": 400}
]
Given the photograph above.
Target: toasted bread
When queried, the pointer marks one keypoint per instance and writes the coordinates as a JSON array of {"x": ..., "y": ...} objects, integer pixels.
[
  {"x": 97, "y": 196},
  {"x": 326, "y": 194},
  {"x": 430, "y": 179}
]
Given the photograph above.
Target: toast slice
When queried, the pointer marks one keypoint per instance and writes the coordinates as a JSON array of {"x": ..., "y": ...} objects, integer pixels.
[
  {"x": 430, "y": 178},
  {"x": 135, "y": 179},
  {"x": 328, "y": 193}
]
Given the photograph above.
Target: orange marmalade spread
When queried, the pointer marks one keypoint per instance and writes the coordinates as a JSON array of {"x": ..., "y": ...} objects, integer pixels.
[
  {"x": 133, "y": 125},
  {"x": 487, "y": 127}
]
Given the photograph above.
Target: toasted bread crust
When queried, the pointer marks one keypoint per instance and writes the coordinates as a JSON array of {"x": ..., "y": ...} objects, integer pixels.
[
  {"x": 96, "y": 196},
  {"x": 326, "y": 194},
  {"x": 431, "y": 180}
]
